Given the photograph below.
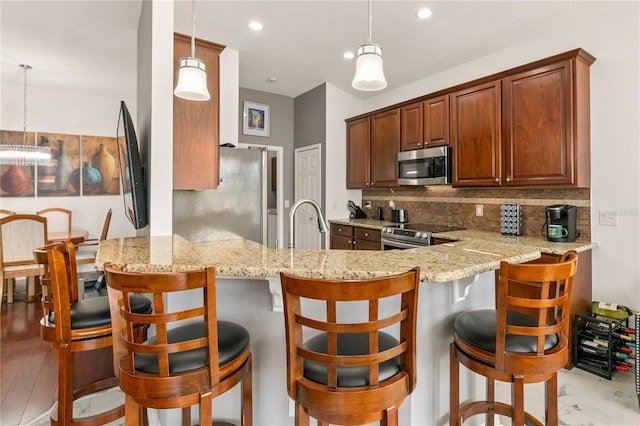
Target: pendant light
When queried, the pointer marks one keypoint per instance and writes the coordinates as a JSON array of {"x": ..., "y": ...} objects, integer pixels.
[
  {"x": 25, "y": 155},
  {"x": 192, "y": 77},
  {"x": 369, "y": 73}
]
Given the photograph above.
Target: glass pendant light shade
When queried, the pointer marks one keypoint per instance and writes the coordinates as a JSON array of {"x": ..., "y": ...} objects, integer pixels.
[
  {"x": 369, "y": 69},
  {"x": 192, "y": 76},
  {"x": 192, "y": 80}
]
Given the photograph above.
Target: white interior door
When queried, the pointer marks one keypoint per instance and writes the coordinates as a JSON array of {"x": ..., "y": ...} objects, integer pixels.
[{"x": 308, "y": 185}]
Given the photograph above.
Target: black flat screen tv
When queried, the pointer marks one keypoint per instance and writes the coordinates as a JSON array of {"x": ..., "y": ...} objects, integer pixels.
[{"x": 131, "y": 171}]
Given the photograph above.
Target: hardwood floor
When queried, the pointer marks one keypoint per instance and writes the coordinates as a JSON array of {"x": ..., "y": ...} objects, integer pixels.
[{"x": 28, "y": 366}]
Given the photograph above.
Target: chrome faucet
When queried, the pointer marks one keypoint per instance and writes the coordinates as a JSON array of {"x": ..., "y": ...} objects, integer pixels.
[{"x": 322, "y": 222}]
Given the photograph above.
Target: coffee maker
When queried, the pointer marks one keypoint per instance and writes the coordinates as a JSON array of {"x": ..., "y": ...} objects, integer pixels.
[{"x": 560, "y": 223}]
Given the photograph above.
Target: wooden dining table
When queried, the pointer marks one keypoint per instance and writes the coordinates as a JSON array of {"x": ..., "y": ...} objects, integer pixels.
[{"x": 76, "y": 236}]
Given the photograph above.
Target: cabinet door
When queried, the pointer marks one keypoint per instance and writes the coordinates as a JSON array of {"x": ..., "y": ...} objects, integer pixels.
[
  {"x": 411, "y": 136},
  {"x": 385, "y": 145},
  {"x": 537, "y": 126},
  {"x": 341, "y": 237},
  {"x": 475, "y": 134},
  {"x": 340, "y": 242},
  {"x": 366, "y": 239},
  {"x": 358, "y": 154},
  {"x": 196, "y": 124},
  {"x": 435, "y": 121}
]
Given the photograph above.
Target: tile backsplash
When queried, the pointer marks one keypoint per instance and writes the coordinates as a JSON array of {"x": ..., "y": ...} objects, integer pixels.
[{"x": 457, "y": 206}]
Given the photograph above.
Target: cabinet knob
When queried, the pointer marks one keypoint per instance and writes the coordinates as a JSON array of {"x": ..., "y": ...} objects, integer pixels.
[
  {"x": 366, "y": 234},
  {"x": 339, "y": 229},
  {"x": 351, "y": 242},
  {"x": 367, "y": 183},
  {"x": 508, "y": 179},
  {"x": 419, "y": 143},
  {"x": 497, "y": 180}
]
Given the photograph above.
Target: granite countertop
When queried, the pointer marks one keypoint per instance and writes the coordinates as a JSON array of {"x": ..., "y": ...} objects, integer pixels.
[
  {"x": 538, "y": 243},
  {"x": 243, "y": 258},
  {"x": 470, "y": 252}
]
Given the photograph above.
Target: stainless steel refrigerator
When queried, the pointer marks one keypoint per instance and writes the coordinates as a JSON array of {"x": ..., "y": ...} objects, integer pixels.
[{"x": 237, "y": 209}]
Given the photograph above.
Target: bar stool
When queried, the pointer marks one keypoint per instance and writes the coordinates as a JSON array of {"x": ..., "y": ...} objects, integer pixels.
[
  {"x": 351, "y": 372},
  {"x": 525, "y": 340},
  {"x": 74, "y": 326},
  {"x": 193, "y": 357}
]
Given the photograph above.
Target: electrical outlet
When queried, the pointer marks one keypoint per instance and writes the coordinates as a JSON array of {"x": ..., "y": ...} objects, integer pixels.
[
  {"x": 479, "y": 210},
  {"x": 392, "y": 204},
  {"x": 367, "y": 205},
  {"x": 609, "y": 217}
]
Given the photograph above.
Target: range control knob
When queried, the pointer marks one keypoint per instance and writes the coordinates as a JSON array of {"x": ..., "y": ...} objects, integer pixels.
[
  {"x": 418, "y": 234},
  {"x": 425, "y": 236}
]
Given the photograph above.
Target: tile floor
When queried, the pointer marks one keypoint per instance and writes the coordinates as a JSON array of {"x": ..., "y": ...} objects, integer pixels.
[{"x": 584, "y": 399}]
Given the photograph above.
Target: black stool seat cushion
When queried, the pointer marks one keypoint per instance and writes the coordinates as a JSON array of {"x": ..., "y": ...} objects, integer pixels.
[
  {"x": 478, "y": 328},
  {"x": 351, "y": 344},
  {"x": 233, "y": 340},
  {"x": 94, "y": 312}
]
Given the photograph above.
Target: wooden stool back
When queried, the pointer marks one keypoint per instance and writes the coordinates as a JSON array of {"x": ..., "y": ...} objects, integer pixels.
[
  {"x": 64, "y": 324},
  {"x": 334, "y": 379},
  {"x": 163, "y": 372},
  {"x": 529, "y": 341}
]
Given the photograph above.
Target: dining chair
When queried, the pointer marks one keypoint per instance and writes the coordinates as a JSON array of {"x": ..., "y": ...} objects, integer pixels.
[
  {"x": 350, "y": 372},
  {"x": 58, "y": 219},
  {"x": 193, "y": 358},
  {"x": 4, "y": 213},
  {"x": 80, "y": 331},
  {"x": 524, "y": 340},
  {"x": 21, "y": 234},
  {"x": 88, "y": 249}
]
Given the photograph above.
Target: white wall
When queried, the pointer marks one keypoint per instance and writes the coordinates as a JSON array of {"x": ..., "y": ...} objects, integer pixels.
[
  {"x": 339, "y": 105},
  {"x": 66, "y": 112},
  {"x": 229, "y": 95},
  {"x": 614, "y": 39},
  {"x": 160, "y": 142}
]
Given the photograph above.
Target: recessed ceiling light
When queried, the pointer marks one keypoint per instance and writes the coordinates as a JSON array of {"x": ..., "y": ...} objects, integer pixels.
[
  {"x": 255, "y": 25},
  {"x": 423, "y": 13},
  {"x": 348, "y": 55}
]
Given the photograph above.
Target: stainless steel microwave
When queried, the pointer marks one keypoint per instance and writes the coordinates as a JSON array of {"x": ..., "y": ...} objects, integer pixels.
[{"x": 424, "y": 167}]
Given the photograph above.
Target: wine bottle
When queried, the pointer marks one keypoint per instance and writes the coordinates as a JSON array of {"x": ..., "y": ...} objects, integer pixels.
[
  {"x": 611, "y": 310},
  {"x": 594, "y": 351}
]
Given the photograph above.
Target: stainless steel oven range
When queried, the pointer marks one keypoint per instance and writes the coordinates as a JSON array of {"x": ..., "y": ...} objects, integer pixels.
[{"x": 410, "y": 235}]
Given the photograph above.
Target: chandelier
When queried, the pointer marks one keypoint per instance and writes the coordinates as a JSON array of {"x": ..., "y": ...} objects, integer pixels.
[{"x": 25, "y": 155}]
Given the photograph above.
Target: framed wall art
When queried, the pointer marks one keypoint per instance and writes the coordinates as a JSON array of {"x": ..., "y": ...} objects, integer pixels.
[
  {"x": 16, "y": 180},
  {"x": 255, "y": 119},
  {"x": 61, "y": 179}
]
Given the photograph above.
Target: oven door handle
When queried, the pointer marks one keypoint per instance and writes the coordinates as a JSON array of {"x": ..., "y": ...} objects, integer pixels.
[{"x": 399, "y": 244}]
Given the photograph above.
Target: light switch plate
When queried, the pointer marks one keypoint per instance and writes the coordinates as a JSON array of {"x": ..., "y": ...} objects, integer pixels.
[
  {"x": 479, "y": 210},
  {"x": 609, "y": 217}
]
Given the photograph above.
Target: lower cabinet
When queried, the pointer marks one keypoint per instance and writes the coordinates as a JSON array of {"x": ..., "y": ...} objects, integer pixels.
[{"x": 346, "y": 237}]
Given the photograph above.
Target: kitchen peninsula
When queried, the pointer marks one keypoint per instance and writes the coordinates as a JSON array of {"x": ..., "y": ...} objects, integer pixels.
[{"x": 243, "y": 267}]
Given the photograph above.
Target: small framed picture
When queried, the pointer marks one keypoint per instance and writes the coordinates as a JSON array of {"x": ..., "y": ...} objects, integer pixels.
[{"x": 255, "y": 119}]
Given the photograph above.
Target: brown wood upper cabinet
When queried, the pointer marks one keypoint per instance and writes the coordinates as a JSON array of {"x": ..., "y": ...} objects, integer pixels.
[
  {"x": 196, "y": 124},
  {"x": 530, "y": 128},
  {"x": 425, "y": 124},
  {"x": 372, "y": 148},
  {"x": 546, "y": 125},
  {"x": 475, "y": 135}
]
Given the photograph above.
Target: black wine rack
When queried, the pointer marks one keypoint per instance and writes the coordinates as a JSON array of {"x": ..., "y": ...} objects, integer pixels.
[{"x": 598, "y": 343}]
